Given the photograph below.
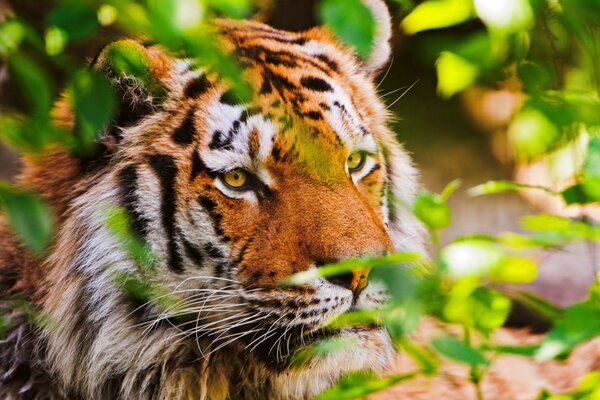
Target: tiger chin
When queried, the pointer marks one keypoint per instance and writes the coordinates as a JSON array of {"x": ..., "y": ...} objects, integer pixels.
[{"x": 230, "y": 198}]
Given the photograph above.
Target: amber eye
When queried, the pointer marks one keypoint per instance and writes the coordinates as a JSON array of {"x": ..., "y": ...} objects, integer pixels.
[
  {"x": 236, "y": 179},
  {"x": 356, "y": 161}
]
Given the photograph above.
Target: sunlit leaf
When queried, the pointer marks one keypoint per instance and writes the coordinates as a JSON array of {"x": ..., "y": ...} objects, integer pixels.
[
  {"x": 437, "y": 14},
  {"x": 482, "y": 309},
  {"x": 56, "y": 40},
  {"x": 12, "y": 33},
  {"x": 565, "y": 228},
  {"x": 454, "y": 73},
  {"x": 514, "y": 269},
  {"x": 77, "y": 19},
  {"x": 107, "y": 14},
  {"x": 506, "y": 15},
  {"x": 360, "y": 384},
  {"x": 29, "y": 217},
  {"x": 471, "y": 258},
  {"x": 450, "y": 189},
  {"x": 352, "y": 21},
  {"x": 456, "y": 350}
]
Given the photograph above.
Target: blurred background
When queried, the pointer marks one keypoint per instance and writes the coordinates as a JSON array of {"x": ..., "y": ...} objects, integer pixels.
[{"x": 455, "y": 128}]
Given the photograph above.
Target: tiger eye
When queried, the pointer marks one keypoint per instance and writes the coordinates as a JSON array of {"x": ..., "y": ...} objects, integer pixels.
[
  {"x": 355, "y": 161},
  {"x": 236, "y": 178}
]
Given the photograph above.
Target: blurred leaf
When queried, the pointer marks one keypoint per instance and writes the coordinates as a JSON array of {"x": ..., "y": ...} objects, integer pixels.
[
  {"x": 4, "y": 326},
  {"x": 481, "y": 308},
  {"x": 434, "y": 14},
  {"x": 360, "y": 384},
  {"x": 77, "y": 19},
  {"x": 458, "y": 351},
  {"x": 107, "y": 14},
  {"x": 94, "y": 102},
  {"x": 34, "y": 82},
  {"x": 320, "y": 349},
  {"x": 56, "y": 40},
  {"x": 535, "y": 77},
  {"x": 424, "y": 357},
  {"x": 454, "y": 73},
  {"x": 577, "y": 324},
  {"x": 473, "y": 257},
  {"x": 119, "y": 222},
  {"x": 352, "y": 21},
  {"x": 29, "y": 217},
  {"x": 450, "y": 189},
  {"x": 540, "y": 306},
  {"x": 349, "y": 265},
  {"x": 506, "y": 16},
  {"x": 526, "y": 350},
  {"x": 582, "y": 193},
  {"x": 513, "y": 269},
  {"x": 232, "y": 8},
  {"x": 532, "y": 133},
  {"x": 564, "y": 228},
  {"x": 432, "y": 210},
  {"x": 172, "y": 18},
  {"x": 492, "y": 187},
  {"x": 12, "y": 33}
]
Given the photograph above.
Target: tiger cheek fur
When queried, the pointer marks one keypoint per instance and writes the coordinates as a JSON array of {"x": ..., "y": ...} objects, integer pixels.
[{"x": 222, "y": 246}]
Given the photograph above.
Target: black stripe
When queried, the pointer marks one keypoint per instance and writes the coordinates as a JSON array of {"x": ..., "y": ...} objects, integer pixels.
[
  {"x": 193, "y": 253},
  {"x": 213, "y": 251},
  {"x": 314, "y": 115},
  {"x": 197, "y": 87},
  {"x": 216, "y": 217},
  {"x": 330, "y": 63},
  {"x": 128, "y": 178},
  {"x": 316, "y": 84},
  {"x": 376, "y": 167},
  {"x": 197, "y": 166},
  {"x": 166, "y": 170},
  {"x": 184, "y": 134}
]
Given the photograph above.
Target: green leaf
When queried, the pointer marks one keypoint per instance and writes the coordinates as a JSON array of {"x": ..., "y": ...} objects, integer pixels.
[
  {"x": 471, "y": 257},
  {"x": 421, "y": 355},
  {"x": 4, "y": 326},
  {"x": 434, "y": 14},
  {"x": 458, "y": 351},
  {"x": 34, "y": 82},
  {"x": 77, "y": 19},
  {"x": 361, "y": 384},
  {"x": 432, "y": 210},
  {"x": 450, "y": 189},
  {"x": 350, "y": 265},
  {"x": 532, "y": 133},
  {"x": 351, "y": 21},
  {"x": 119, "y": 222},
  {"x": 540, "y": 306},
  {"x": 507, "y": 16},
  {"x": 564, "y": 228},
  {"x": 514, "y": 269},
  {"x": 577, "y": 324},
  {"x": 12, "y": 33},
  {"x": 502, "y": 186},
  {"x": 586, "y": 192},
  {"x": 454, "y": 73},
  {"x": 527, "y": 350},
  {"x": 232, "y": 8},
  {"x": 94, "y": 102},
  {"x": 321, "y": 349},
  {"x": 29, "y": 217}
]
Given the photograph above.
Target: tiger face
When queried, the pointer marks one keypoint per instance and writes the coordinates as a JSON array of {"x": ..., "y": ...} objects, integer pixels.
[{"x": 232, "y": 198}]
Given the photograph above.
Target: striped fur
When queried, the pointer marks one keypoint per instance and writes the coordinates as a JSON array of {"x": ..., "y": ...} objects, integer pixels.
[{"x": 218, "y": 324}]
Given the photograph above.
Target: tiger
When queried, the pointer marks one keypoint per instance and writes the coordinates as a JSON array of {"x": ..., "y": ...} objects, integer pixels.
[{"x": 230, "y": 197}]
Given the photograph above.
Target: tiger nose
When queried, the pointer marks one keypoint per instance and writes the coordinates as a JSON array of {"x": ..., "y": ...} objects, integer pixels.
[{"x": 356, "y": 280}]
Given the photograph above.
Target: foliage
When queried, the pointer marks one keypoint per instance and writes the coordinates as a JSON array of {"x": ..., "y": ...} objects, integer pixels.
[{"x": 547, "y": 50}]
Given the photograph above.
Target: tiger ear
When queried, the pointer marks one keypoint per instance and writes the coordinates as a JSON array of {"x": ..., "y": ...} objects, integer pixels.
[
  {"x": 142, "y": 76},
  {"x": 381, "y": 50}
]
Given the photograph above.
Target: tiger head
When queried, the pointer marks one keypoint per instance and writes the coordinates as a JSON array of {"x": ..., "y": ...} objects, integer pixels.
[{"x": 231, "y": 197}]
